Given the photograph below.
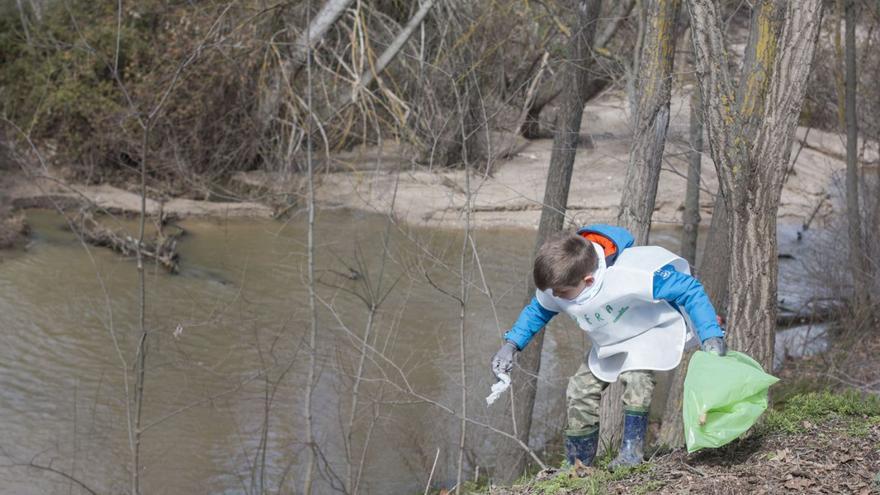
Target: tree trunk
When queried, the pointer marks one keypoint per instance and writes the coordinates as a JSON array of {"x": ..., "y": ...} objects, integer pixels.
[
  {"x": 752, "y": 171},
  {"x": 531, "y": 128},
  {"x": 671, "y": 430},
  {"x": 598, "y": 82},
  {"x": 714, "y": 266},
  {"x": 312, "y": 376},
  {"x": 512, "y": 462},
  {"x": 759, "y": 103},
  {"x": 858, "y": 267},
  {"x": 651, "y": 121},
  {"x": 393, "y": 49},
  {"x": 632, "y": 71},
  {"x": 691, "y": 217},
  {"x": 271, "y": 96}
]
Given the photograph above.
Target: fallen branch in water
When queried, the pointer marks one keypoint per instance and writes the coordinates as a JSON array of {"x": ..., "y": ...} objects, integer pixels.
[
  {"x": 162, "y": 249},
  {"x": 816, "y": 310}
]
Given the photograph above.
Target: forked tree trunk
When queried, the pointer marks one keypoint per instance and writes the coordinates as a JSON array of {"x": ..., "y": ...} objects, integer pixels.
[
  {"x": 512, "y": 461},
  {"x": 778, "y": 58},
  {"x": 751, "y": 172},
  {"x": 651, "y": 121}
]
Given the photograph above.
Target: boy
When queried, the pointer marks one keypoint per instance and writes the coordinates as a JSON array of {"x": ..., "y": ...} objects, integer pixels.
[{"x": 636, "y": 304}]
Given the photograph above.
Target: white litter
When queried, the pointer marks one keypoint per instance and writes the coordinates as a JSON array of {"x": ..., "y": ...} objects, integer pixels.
[{"x": 498, "y": 388}]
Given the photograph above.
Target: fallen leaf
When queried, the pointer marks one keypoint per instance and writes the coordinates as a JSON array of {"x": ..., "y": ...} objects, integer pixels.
[
  {"x": 782, "y": 455},
  {"x": 798, "y": 483}
]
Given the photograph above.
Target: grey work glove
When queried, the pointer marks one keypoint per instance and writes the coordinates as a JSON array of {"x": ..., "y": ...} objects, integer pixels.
[
  {"x": 715, "y": 345},
  {"x": 502, "y": 362}
]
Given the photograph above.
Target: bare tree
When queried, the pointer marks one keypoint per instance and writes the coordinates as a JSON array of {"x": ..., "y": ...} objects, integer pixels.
[
  {"x": 462, "y": 316},
  {"x": 512, "y": 462},
  {"x": 313, "y": 310},
  {"x": 22, "y": 14},
  {"x": 746, "y": 177},
  {"x": 671, "y": 433},
  {"x": 651, "y": 120},
  {"x": 751, "y": 172},
  {"x": 393, "y": 49},
  {"x": 550, "y": 90},
  {"x": 858, "y": 267},
  {"x": 271, "y": 97},
  {"x": 691, "y": 217}
]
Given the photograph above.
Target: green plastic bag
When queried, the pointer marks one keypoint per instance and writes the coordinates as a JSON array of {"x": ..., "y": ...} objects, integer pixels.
[{"x": 723, "y": 397}]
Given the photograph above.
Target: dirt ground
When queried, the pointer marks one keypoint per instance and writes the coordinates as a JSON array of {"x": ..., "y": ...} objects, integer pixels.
[
  {"x": 824, "y": 459},
  {"x": 829, "y": 457},
  {"x": 835, "y": 454}
]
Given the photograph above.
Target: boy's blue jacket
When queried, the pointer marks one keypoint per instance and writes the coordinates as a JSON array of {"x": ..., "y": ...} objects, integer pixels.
[{"x": 679, "y": 289}]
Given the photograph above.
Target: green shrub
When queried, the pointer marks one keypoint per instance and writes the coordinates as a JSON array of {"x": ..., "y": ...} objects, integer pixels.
[{"x": 62, "y": 88}]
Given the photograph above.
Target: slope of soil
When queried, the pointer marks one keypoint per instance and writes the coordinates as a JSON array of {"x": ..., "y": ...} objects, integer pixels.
[
  {"x": 820, "y": 443},
  {"x": 832, "y": 457}
]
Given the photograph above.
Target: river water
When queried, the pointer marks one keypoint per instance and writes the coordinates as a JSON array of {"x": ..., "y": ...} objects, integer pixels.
[{"x": 228, "y": 357}]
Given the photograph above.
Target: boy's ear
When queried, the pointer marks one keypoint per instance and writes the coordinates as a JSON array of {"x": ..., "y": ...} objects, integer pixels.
[{"x": 589, "y": 279}]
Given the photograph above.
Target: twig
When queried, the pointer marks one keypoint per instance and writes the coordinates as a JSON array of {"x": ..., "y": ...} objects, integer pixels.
[{"x": 433, "y": 467}]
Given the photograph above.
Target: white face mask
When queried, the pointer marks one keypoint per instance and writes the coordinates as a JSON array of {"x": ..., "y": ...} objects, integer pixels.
[{"x": 598, "y": 276}]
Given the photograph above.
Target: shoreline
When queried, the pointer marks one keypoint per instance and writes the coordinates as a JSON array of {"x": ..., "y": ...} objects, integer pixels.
[{"x": 510, "y": 197}]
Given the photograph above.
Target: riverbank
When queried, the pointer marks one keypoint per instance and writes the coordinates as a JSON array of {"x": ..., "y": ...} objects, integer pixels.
[
  {"x": 512, "y": 196},
  {"x": 820, "y": 436},
  {"x": 382, "y": 180},
  {"x": 13, "y": 228},
  {"x": 816, "y": 443}
]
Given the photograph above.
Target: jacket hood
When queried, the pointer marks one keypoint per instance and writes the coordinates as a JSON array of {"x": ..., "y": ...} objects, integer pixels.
[{"x": 612, "y": 239}]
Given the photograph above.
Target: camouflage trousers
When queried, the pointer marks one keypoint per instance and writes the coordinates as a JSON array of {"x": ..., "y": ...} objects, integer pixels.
[{"x": 584, "y": 395}]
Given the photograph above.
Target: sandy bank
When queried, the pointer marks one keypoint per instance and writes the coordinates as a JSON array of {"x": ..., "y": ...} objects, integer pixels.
[
  {"x": 512, "y": 197},
  {"x": 50, "y": 193},
  {"x": 383, "y": 180}
]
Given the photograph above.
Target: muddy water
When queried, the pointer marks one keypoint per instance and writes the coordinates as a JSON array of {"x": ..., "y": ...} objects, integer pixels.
[{"x": 228, "y": 357}]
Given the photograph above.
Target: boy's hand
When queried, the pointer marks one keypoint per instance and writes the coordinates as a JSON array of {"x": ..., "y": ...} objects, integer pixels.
[
  {"x": 503, "y": 360},
  {"x": 715, "y": 345}
]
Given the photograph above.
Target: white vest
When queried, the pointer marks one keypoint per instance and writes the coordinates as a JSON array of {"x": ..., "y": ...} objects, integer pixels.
[{"x": 629, "y": 329}]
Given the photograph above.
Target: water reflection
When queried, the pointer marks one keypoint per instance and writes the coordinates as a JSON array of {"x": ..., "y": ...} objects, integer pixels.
[{"x": 228, "y": 356}]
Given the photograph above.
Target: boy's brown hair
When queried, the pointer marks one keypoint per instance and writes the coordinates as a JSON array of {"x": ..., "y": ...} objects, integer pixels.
[{"x": 563, "y": 261}]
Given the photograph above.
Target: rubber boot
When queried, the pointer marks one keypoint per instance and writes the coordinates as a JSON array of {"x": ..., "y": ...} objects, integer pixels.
[
  {"x": 582, "y": 447},
  {"x": 632, "y": 449}
]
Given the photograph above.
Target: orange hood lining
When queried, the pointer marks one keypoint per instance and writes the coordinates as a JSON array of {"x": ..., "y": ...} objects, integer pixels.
[{"x": 607, "y": 245}]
